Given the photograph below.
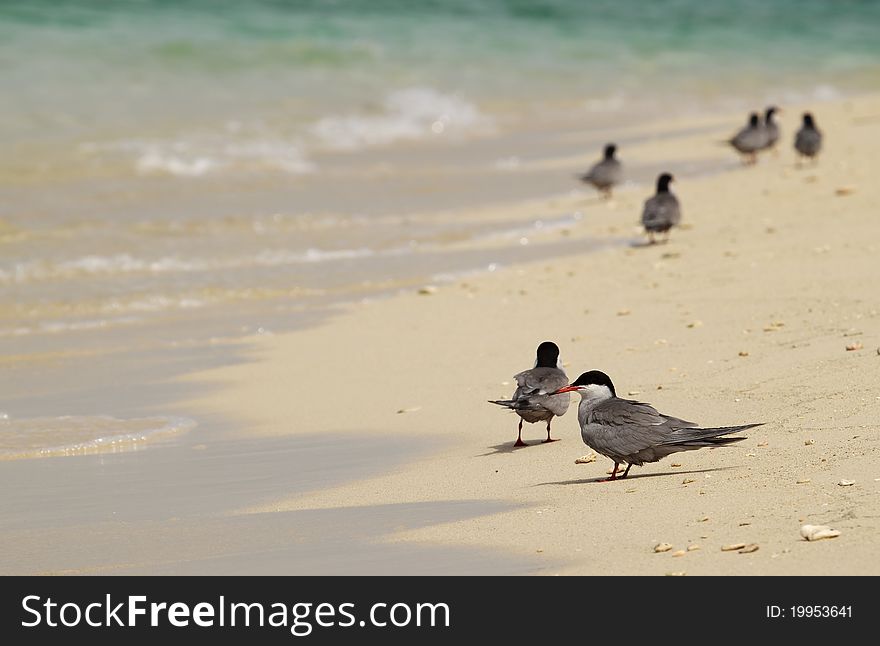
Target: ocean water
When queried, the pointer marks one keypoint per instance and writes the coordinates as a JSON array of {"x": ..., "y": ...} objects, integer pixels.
[{"x": 177, "y": 173}]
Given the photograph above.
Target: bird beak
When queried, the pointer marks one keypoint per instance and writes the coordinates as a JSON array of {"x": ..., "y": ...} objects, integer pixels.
[{"x": 567, "y": 389}]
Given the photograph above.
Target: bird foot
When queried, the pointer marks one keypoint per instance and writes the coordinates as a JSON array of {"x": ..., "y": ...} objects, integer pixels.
[
  {"x": 519, "y": 442},
  {"x": 607, "y": 480},
  {"x": 550, "y": 439}
]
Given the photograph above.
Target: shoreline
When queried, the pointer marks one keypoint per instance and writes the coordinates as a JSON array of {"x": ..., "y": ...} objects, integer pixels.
[{"x": 729, "y": 323}]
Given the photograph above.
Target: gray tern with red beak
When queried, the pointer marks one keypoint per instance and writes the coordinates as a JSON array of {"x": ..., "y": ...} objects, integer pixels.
[
  {"x": 534, "y": 399},
  {"x": 633, "y": 432}
]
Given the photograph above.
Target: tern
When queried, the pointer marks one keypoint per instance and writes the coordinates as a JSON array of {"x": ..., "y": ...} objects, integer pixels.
[
  {"x": 534, "y": 399},
  {"x": 661, "y": 211},
  {"x": 633, "y": 432},
  {"x": 606, "y": 173},
  {"x": 808, "y": 140},
  {"x": 749, "y": 140},
  {"x": 771, "y": 128}
]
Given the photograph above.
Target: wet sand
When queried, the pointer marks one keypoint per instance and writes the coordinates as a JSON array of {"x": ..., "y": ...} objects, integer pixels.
[{"x": 166, "y": 510}]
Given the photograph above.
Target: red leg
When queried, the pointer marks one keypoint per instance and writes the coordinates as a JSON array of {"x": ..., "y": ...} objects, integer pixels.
[
  {"x": 519, "y": 441},
  {"x": 613, "y": 474},
  {"x": 548, "y": 434}
]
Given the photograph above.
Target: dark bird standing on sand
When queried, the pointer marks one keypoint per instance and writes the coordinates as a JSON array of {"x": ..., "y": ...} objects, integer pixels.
[
  {"x": 633, "y": 432},
  {"x": 606, "y": 173},
  {"x": 750, "y": 139},
  {"x": 533, "y": 400},
  {"x": 808, "y": 140},
  {"x": 662, "y": 211},
  {"x": 771, "y": 128}
]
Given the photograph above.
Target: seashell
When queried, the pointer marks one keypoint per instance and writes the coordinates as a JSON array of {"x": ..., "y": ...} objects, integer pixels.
[
  {"x": 854, "y": 346},
  {"x": 677, "y": 553},
  {"x": 586, "y": 459},
  {"x": 427, "y": 290},
  {"x": 662, "y": 547},
  {"x": 691, "y": 548},
  {"x": 733, "y": 547},
  {"x": 846, "y": 483},
  {"x": 748, "y": 549},
  {"x": 818, "y": 532}
]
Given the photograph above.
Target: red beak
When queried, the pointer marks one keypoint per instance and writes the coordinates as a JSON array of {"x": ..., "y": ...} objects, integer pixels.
[{"x": 567, "y": 389}]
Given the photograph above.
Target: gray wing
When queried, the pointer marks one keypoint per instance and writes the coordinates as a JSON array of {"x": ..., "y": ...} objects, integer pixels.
[
  {"x": 749, "y": 139},
  {"x": 661, "y": 212},
  {"x": 604, "y": 174},
  {"x": 629, "y": 427},
  {"x": 808, "y": 142},
  {"x": 534, "y": 387}
]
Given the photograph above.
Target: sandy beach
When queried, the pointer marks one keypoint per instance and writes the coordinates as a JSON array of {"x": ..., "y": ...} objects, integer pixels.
[{"x": 746, "y": 315}]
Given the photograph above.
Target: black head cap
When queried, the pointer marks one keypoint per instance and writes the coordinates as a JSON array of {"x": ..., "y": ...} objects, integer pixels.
[
  {"x": 595, "y": 377},
  {"x": 768, "y": 115},
  {"x": 753, "y": 119},
  {"x": 548, "y": 355},
  {"x": 610, "y": 149},
  {"x": 808, "y": 120},
  {"x": 663, "y": 183}
]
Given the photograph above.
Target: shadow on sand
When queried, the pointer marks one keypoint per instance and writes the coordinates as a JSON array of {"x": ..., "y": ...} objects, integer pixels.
[
  {"x": 508, "y": 447},
  {"x": 632, "y": 477}
]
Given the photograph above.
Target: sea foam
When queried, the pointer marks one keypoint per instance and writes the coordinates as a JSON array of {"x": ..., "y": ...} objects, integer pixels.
[
  {"x": 42, "y": 437},
  {"x": 412, "y": 113}
]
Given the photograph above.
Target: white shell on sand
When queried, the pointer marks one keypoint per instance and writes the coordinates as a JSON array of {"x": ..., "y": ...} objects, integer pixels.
[
  {"x": 846, "y": 483},
  {"x": 818, "y": 532},
  {"x": 586, "y": 459},
  {"x": 733, "y": 547},
  {"x": 662, "y": 547}
]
